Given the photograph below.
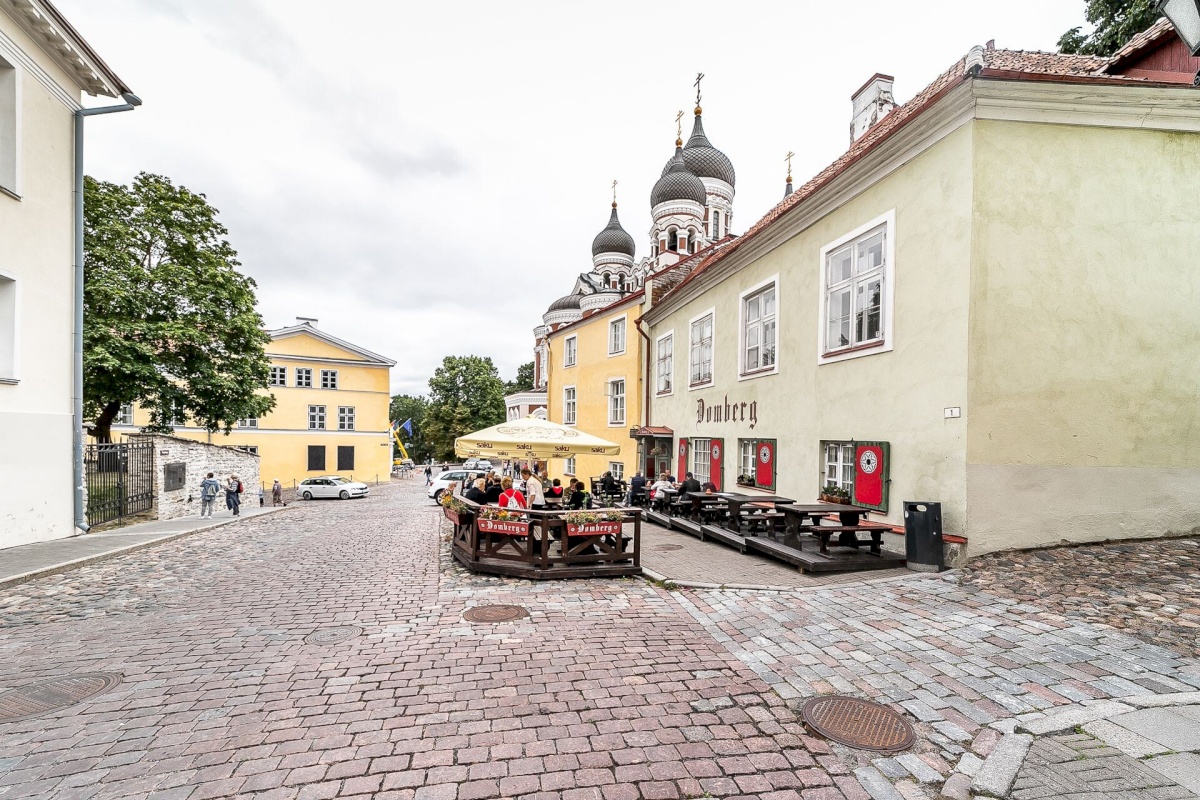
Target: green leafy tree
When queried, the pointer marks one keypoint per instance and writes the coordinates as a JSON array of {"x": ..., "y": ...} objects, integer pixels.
[
  {"x": 169, "y": 322},
  {"x": 524, "y": 381},
  {"x": 465, "y": 394},
  {"x": 405, "y": 407},
  {"x": 1114, "y": 23}
]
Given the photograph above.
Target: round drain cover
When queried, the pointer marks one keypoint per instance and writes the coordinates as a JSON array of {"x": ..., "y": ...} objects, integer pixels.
[
  {"x": 494, "y": 613},
  {"x": 336, "y": 635},
  {"x": 662, "y": 548},
  {"x": 35, "y": 699},
  {"x": 858, "y": 723}
]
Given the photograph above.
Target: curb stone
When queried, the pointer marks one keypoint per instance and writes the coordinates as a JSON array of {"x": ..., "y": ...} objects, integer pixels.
[
  {"x": 1163, "y": 700},
  {"x": 998, "y": 772},
  {"x": 1070, "y": 717}
]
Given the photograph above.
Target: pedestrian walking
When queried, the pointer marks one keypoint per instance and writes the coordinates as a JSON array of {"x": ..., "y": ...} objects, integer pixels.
[
  {"x": 429, "y": 475},
  {"x": 210, "y": 487},
  {"x": 233, "y": 495},
  {"x": 277, "y": 493},
  {"x": 262, "y": 500}
]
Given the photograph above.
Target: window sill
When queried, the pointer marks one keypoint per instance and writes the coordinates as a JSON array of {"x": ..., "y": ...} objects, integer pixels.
[
  {"x": 618, "y": 353},
  {"x": 9, "y": 381},
  {"x": 616, "y": 424},
  {"x": 868, "y": 348},
  {"x": 667, "y": 393},
  {"x": 758, "y": 373},
  {"x": 693, "y": 386}
]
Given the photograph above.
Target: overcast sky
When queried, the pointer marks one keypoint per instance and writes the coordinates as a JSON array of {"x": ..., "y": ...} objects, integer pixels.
[{"x": 425, "y": 178}]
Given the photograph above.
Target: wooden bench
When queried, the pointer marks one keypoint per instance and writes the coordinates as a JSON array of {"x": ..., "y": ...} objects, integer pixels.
[{"x": 875, "y": 529}]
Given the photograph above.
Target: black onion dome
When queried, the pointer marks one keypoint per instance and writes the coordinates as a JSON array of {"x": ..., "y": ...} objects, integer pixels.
[
  {"x": 614, "y": 238},
  {"x": 568, "y": 303},
  {"x": 678, "y": 183},
  {"x": 703, "y": 159}
]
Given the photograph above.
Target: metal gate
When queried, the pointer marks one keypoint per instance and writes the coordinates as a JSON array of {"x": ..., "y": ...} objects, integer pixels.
[{"x": 120, "y": 480}]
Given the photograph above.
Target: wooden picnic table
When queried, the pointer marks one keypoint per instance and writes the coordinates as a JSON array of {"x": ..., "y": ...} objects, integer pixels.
[
  {"x": 737, "y": 502},
  {"x": 850, "y": 519},
  {"x": 704, "y": 503}
]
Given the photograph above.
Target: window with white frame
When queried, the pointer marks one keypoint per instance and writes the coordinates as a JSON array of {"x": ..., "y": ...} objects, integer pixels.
[
  {"x": 701, "y": 459},
  {"x": 758, "y": 330},
  {"x": 747, "y": 457},
  {"x": 124, "y": 415},
  {"x": 701, "y": 360},
  {"x": 345, "y": 418},
  {"x": 248, "y": 422},
  {"x": 303, "y": 378},
  {"x": 616, "y": 337},
  {"x": 278, "y": 376},
  {"x": 616, "y": 402},
  {"x": 854, "y": 286},
  {"x": 569, "y": 405},
  {"x": 329, "y": 379},
  {"x": 10, "y": 131},
  {"x": 617, "y": 469},
  {"x": 570, "y": 351},
  {"x": 316, "y": 418},
  {"x": 839, "y": 465},
  {"x": 8, "y": 328},
  {"x": 569, "y": 466},
  {"x": 247, "y": 448},
  {"x": 666, "y": 363}
]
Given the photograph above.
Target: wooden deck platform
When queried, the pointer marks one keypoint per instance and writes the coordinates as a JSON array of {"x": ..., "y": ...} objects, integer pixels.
[
  {"x": 657, "y": 517},
  {"x": 807, "y": 557},
  {"x": 517, "y": 569},
  {"x": 687, "y": 526},
  {"x": 724, "y": 536}
]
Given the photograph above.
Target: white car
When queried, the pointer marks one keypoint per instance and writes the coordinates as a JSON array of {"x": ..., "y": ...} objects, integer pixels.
[
  {"x": 443, "y": 480},
  {"x": 478, "y": 465},
  {"x": 331, "y": 486}
]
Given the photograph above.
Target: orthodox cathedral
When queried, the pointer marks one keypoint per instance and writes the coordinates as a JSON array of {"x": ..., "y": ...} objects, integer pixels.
[{"x": 691, "y": 207}]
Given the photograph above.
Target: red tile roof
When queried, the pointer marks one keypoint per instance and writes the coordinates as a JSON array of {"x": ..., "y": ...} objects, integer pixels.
[{"x": 1143, "y": 41}]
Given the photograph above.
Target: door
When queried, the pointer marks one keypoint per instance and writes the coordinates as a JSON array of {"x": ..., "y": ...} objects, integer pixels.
[{"x": 716, "y": 464}]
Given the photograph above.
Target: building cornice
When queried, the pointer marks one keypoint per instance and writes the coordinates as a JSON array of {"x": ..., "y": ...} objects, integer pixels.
[{"x": 63, "y": 44}]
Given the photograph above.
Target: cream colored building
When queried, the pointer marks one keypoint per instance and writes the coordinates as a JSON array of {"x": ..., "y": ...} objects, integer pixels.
[
  {"x": 45, "y": 67},
  {"x": 987, "y": 302},
  {"x": 330, "y": 416}
]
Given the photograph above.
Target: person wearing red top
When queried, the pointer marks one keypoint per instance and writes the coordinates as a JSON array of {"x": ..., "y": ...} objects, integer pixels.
[{"x": 510, "y": 497}]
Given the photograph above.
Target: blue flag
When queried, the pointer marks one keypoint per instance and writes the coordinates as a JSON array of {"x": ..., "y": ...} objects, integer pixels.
[{"x": 408, "y": 426}]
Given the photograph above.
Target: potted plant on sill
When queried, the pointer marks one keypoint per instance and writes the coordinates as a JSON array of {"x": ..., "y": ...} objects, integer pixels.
[
  {"x": 832, "y": 493},
  {"x": 501, "y": 520},
  {"x": 594, "y": 523},
  {"x": 745, "y": 480}
]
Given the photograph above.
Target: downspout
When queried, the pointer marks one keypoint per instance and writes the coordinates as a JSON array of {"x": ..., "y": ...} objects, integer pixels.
[
  {"x": 131, "y": 102},
  {"x": 637, "y": 323}
]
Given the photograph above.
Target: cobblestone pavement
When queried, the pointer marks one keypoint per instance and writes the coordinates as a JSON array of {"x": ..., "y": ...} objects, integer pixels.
[
  {"x": 1078, "y": 767},
  {"x": 1148, "y": 589},
  {"x": 610, "y": 690}
]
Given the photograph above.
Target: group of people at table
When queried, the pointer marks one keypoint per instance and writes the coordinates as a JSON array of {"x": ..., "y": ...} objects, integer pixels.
[{"x": 536, "y": 492}]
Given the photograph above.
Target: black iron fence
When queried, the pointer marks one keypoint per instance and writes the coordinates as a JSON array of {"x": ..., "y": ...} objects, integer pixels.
[{"x": 120, "y": 480}]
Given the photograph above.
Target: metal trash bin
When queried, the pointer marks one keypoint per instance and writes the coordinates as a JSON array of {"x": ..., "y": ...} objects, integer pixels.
[{"x": 923, "y": 536}]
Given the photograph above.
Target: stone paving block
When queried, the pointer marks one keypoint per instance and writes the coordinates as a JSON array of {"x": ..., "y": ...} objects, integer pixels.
[
  {"x": 999, "y": 769},
  {"x": 1067, "y": 718},
  {"x": 1125, "y": 740},
  {"x": 876, "y": 785},
  {"x": 1174, "y": 731},
  {"x": 919, "y": 769},
  {"x": 1182, "y": 768}
]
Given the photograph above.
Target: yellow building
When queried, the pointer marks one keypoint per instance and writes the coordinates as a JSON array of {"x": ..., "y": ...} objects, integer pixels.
[
  {"x": 330, "y": 416},
  {"x": 594, "y": 382}
]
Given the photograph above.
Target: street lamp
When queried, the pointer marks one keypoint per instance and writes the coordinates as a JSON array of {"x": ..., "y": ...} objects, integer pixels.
[{"x": 1185, "y": 17}]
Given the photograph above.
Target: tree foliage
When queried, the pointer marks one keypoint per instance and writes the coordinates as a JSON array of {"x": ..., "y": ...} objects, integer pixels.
[
  {"x": 405, "y": 407},
  {"x": 169, "y": 322},
  {"x": 1114, "y": 23},
  {"x": 465, "y": 394},
  {"x": 524, "y": 381}
]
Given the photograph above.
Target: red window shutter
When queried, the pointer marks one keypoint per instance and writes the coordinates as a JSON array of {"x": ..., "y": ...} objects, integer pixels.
[
  {"x": 872, "y": 465},
  {"x": 716, "y": 467},
  {"x": 683, "y": 458},
  {"x": 764, "y": 464}
]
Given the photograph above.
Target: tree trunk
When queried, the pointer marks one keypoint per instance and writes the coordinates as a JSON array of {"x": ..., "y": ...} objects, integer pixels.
[{"x": 102, "y": 428}]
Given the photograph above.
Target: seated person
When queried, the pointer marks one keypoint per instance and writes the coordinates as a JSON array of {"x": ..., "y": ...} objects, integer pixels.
[
  {"x": 579, "y": 498},
  {"x": 477, "y": 492},
  {"x": 637, "y": 487},
  {"x": 690, "y": 484},
  {"x": 493, "y": 490},
  {"x": 609, "y": 485},
  {"x": 510, "y": 497},
  {"x": 555, "y": 489},
  {"x": 708, "y": 487}
]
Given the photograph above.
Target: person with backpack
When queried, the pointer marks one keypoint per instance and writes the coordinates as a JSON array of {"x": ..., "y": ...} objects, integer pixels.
[
  {"x": 510, "y": 497},
  {"x": 233, "y": 495},
  {"x": 210, "y": 487}
]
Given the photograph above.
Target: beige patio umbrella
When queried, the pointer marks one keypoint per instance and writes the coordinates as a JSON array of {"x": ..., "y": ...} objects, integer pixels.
[{"x": 532, "y": 438}]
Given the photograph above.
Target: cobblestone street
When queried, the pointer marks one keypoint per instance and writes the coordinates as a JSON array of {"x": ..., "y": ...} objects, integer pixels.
[{"x": 613, "y": 689}]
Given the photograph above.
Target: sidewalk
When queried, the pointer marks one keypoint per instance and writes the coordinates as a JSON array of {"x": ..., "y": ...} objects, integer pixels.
[{"x": 24, "y": 563}]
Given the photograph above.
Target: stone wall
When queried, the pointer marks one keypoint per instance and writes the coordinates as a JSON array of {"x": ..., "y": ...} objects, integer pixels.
[{"x": 198, "y": 459}]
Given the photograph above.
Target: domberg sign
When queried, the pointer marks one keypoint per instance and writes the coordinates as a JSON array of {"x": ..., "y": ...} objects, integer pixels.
[{"x": 727, "y": 412}]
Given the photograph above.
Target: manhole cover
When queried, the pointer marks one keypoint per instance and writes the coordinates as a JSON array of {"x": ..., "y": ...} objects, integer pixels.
[
  {"x": 35, "y": 699},
  {"x": 665, "y": 547},
  {"x": 341, "y": 633},
  {"x": 494, "y": 613},
  {"x": 858, "y": 723}
]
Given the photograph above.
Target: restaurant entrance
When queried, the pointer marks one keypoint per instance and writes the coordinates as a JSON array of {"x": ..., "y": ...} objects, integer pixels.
[{"x": 655, "y": 451}]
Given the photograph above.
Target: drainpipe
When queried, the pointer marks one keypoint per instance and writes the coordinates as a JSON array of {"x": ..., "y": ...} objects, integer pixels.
[
  {"x": 637, "y": 323},
  {"x": 132, "y": 101}
]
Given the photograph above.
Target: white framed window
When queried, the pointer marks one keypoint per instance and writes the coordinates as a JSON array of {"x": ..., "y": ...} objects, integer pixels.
[
  {"x": 248, "y": 422},
  {"x": 569, "y": 465},
  {"x": 10, "y": 128},
  {"x": 857, "y": 298},
  {"x": 316, "y": 418},
  {"x": 278, "y": 376},
  {"x": 617, "y": 469},
  {"x": 174, "y": 410},
  {"x": 570, "y": 350},
  {"x": 701, "y": 459},
  {"x": 329, "y": 379},
  {"x": 247, "y": 448},
  {"x": 700, "y": 356},
  {"x": 616, "y": 401},
  {"x": 568, "y": 405},
  {"x": 124, "y": 415},
  {"x": 345, "y": 418},
  {"x": 759, "y": 333},
  {"x": 10, "y": 308},
  {"x": 665, "y": 363},
  {"x": 616, "y": 337},
  {"x": 747, "y": 456},
  {"x": 839, "y": 465},
  {"x": 303, "y": 378}
]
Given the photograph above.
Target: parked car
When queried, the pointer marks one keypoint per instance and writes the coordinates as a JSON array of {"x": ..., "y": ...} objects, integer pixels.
[
  {"x": 331, "y": 486},
  {"x": 478, "y": 464},
  {"x": 460, "y": 476}
]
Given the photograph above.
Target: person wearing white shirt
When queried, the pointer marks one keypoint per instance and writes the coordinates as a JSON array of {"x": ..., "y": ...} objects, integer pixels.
[{"x": 533, "y": 490}]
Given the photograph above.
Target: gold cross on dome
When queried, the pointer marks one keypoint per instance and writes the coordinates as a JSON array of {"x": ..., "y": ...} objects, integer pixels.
[
  {"x": 699, "y": 77},
  {"x": 679, "y": 125},
  {"x": 788, "y": 157},
  {"x": 614, "y": 191}
]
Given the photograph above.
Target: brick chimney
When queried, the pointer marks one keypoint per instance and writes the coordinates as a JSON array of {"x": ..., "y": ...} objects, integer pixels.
[{"x": 871, "y": 103}]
